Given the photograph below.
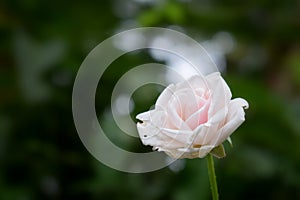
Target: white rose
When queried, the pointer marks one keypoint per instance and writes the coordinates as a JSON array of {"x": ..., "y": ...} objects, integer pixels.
[{"x": 192, "y": 118}]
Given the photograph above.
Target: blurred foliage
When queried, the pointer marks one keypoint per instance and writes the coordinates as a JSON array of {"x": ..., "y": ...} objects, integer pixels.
[{"x": 42, "y": 46}]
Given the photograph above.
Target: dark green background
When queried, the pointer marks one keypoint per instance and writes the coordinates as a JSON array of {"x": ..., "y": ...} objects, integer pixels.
[{"x": 42, "y": 46}]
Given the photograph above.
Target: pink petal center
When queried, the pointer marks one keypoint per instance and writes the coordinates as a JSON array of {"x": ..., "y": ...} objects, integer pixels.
[{"x": 191, "y": 107}]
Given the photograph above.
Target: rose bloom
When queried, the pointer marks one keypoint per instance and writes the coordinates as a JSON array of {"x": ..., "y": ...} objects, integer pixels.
[{"x": 192, "y": 118}]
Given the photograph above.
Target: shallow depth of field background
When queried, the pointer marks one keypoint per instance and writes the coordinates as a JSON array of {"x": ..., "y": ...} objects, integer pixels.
[{"x": 42, "y": 46}]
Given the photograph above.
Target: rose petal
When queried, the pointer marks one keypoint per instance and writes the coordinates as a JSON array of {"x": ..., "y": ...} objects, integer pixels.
[
  {"x": 202, "y": 130},
  {"x": 204, "y": 150},
  {"x": 156, "y": 117},
  {"x": 210, "y": 134},
  {"x": 185, "y": 137},
  {"x": 220, "y": 93},
  {"x": 218, "y": 117},
  {"x": 235, "y": 117},
  {"x": 180, "y": 154},
  {"x": 173, "y": 115},
  {"x": 152, "y": 135},
  {"x": 193, "y": 82},
  {"x": 152, "y": 120},
  {"x": 165, "y": 96},
  {"x": 199, "y": 117},
  {"x": 187, "y": 103}
]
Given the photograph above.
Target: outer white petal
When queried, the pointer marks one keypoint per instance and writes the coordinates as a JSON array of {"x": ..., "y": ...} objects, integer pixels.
[
  {"x": 165, "y": 96},
  {"x": 235, "y": 117},
  {"x": 186, "y": 138},
  {"x": 194, "y": 82},
  {"x": 181, "y": 154},
  {"x": 156, "y": 117},
  {"x": 202, "y": 131},
  {"x": 210, "y": 134},
  {"x": 152, "y": 131},
  {"x": 220, "y": 93},
  {"x": 218, "y": 116},
  {"x": 152, "y": 121},
  {"x": 204, "y": 150}
]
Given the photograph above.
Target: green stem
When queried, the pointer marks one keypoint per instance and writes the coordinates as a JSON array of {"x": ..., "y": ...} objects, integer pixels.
[{"x": 212, "y": 177}]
